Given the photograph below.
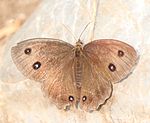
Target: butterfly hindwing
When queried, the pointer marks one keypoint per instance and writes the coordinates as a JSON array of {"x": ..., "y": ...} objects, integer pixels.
[{"x": 95, "y": 89}]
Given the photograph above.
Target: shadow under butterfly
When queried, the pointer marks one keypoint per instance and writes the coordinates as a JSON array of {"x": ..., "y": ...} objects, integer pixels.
[{"x": 80, "y": 75}]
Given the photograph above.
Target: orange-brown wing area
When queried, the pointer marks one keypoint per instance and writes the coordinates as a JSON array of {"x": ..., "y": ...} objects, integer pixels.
[
  {"x": 95, "y": 90},
  {"x": 61, "y": 88},
  {"x": 46, "y": 60},
  {"x": 49, "y": 53},
  {"x": 113, "y": 59}
]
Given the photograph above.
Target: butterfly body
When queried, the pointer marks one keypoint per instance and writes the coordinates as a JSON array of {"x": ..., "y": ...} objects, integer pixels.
[
  {"x": 80, "y": 74},
  {"x": 78, "y": 54}
]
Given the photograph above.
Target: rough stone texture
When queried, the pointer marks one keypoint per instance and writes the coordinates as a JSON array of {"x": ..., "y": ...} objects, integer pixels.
[{"x": 22, "y": 101}]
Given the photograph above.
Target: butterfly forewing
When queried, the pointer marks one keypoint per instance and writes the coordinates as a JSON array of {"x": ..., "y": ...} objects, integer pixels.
[
  {"x": 50, "y": 54},
  {"x": 114, "y": 59},
  {"x": 49, "y": 61}
]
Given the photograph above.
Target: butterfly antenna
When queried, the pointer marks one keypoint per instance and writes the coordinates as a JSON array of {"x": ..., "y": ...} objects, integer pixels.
[
  {"x": 84, "y": 30},
  {"x": 69, "y": 30}
]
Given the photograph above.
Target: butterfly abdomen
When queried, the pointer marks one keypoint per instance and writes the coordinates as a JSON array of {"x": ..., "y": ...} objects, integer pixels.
[{"x": 78, "y": 73}]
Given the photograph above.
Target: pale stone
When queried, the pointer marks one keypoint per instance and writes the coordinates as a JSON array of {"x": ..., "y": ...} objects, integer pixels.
[{"x": 22, "y": 101}]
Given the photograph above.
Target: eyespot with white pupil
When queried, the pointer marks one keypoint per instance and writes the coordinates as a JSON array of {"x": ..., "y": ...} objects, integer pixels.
[
  {"x": 36, "y": 65},
  {"x": 112, "y": 67},
  {"x": 84, "y": 98},
  {"x": 27, "y": 51},
  {"x": 71, "y": 98},
  {"x": 120, "y": 53}
]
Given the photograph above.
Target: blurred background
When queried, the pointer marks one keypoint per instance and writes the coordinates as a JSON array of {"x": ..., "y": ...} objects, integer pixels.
[{"x": 13, "y": 14}]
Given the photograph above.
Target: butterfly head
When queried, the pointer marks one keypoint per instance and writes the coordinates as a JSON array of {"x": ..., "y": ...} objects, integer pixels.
[
  {"x": 79, "y": 43},
  {"x": 78, "y": 48}
]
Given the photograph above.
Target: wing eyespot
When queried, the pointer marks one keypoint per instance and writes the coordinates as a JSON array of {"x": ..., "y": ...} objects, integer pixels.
[
  {"x": 84, "y": 98},
  {"x": 120, "y": 53},
  {"x": 27, "y": 51},
  {"x": 112, "y": 67},
  {"x": 36, "y": 65},
  {"x": 71, "y": 98}
]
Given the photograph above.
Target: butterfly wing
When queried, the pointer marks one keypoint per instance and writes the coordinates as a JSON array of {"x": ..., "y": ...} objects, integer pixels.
[
  {"x": 95, "y": 89},
  {"x": 115, "y": 59},
  {"x": 46, "y": 60},
  {"x": 105, "y": 62}
]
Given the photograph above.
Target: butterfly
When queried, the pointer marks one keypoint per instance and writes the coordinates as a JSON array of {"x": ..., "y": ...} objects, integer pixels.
[{"x": 80, "y": 75}]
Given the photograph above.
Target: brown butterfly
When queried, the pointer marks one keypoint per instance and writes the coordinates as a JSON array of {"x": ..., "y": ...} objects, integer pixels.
[{"x": 75, "y": 75}]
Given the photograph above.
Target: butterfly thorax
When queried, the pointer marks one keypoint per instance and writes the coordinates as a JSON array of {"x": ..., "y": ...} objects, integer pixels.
[{"x": 78, "y": 48}]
